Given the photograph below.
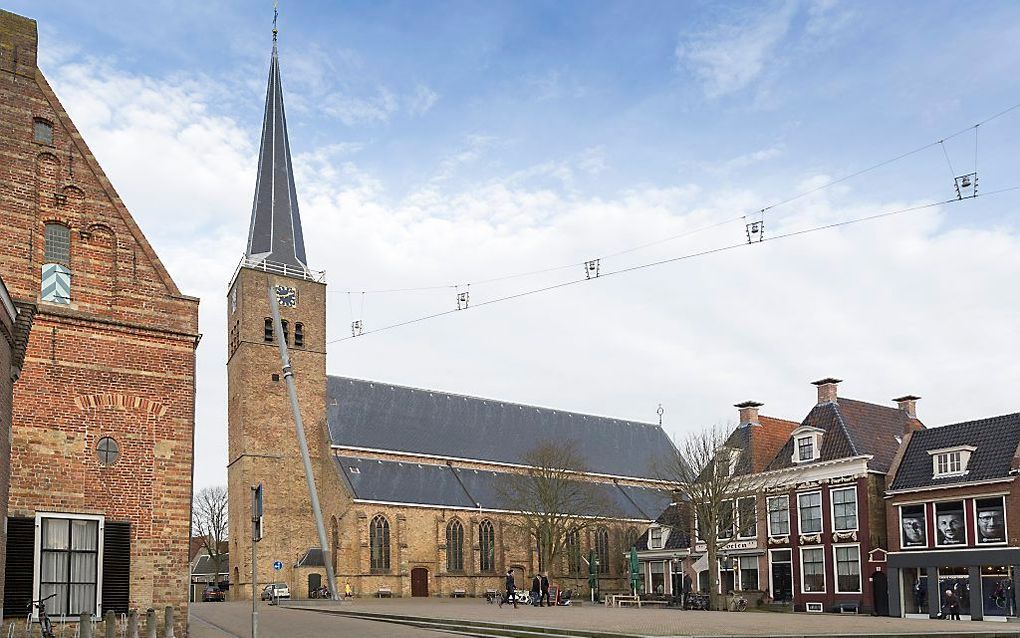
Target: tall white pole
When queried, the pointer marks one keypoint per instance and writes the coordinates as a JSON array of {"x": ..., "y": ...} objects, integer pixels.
[
  {"x": 288, "y": 375},
  {"x": 254, "y": 572}
]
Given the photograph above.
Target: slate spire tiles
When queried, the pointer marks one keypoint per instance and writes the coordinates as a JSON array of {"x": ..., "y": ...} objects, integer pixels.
[{"x": 275, "y": 233}]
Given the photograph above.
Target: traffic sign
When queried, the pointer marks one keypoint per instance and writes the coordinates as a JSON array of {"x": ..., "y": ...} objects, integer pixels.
[{"x": 278, "y": 565}]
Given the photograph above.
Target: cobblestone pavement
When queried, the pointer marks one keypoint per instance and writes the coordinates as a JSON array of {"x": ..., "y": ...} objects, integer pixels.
[
  {"x": 667, "y": 622},
  {"x": 233, "y": 620}
]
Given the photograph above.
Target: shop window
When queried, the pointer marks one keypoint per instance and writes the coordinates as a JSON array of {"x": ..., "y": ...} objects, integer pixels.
[
  {"x": 379, "y": 543},
  {"x": 991, "y": 520},
  {"x": 913, "y": 526},
  {"x": 454, "y": 546},
  {"x": 748, "y": 573},
  {"x": 848, "y": 569},
  {"x": 812, "y": 570},
  {"x": 779, "y": 515},
  {"x": 486, "y": 547},
  {"x": 42, "y": 131},
  {"x": 810, "y": 512},
  {"x": 658, "y": 576},
  {"x": 949, "y": 526},
  {"x": 844, "y": 509}
]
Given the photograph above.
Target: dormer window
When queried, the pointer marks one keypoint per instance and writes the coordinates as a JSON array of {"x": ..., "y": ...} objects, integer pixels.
[
  {"x": 807, "y": 444},
  {"x": 950, "y": 461},
  {"x": 805, "y": 448},
  {"x": 655, "y": 538}
]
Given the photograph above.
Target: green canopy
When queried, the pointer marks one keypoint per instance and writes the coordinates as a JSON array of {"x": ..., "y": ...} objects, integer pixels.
[
  {"x": 593, "y": 570},
  {"x": 635, "y": 570}
]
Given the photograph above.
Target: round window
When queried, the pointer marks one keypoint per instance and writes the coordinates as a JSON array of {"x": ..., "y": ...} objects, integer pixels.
[{"x": 108, "y": 451}]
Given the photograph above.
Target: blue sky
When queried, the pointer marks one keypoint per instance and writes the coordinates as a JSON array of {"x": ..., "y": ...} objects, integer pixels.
[{"x": 450, "y": 141}]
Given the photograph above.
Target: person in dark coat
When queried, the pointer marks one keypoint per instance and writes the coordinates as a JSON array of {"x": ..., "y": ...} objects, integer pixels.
[
  {"x": 509, "y": 589},
  {"x": 536, "y": 589},
  {"x": 951, "y": 605},
  {"x": 545, "y": 591}
]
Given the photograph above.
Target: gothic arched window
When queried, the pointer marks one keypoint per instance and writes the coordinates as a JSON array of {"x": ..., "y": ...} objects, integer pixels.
[
  {"x": 574, "y": 553},
  {"x": 486, "y": 547},
  {"x": 631, "y": 538},
  {"x": 454, "y": 546},
  {"x": 602, "y": 549},
  {"x": 379, "y": 542}
]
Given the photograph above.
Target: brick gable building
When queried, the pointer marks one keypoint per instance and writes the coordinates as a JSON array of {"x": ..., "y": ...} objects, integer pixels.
[
  {"x": 406, "y": 477},
  {"x": 103, "y": 415}
]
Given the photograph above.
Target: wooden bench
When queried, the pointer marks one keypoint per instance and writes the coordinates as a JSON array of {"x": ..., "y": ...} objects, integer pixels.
[
  {"x": 615, "y": 600},
  {"x": 652, "y": 602},
  {"x": 384, "y": 592},
  {"x": 620, "y": 602},
  {"x": 458, "y": 593}
]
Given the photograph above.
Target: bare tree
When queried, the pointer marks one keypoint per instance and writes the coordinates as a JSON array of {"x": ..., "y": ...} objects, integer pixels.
[
  {"x": 553, "y": 499},
  {"x": 703, "y": 474},
  {"x": 209, "y": 521}
]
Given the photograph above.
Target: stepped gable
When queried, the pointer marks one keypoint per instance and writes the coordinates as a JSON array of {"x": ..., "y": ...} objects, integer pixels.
[
  {"x": 996, "y": 440},
  {"x": 379, "y": 416},
  {"x": 852, "y": 428},
  {"x": 401, "y": 482}
]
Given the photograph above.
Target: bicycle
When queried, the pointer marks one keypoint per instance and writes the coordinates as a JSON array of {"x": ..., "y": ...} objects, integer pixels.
[
  {"x": 45, "y": 624},
  {"x": 739, "y": 603}
]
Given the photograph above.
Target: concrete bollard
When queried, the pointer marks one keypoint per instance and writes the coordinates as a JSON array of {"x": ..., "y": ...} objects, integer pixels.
[
  {"x": 110, "y": 625},
  {"x": 85, "y": 625},
  {"x": 168, "y": 622},
  {"x": 132, "y": 624},
  {"x": 150, "y": 623}
]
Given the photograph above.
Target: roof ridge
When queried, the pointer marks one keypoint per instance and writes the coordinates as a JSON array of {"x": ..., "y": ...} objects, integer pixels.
[
  {"x": 846, "y": 429},
  {"x": 971, "y": 422},
  {"x": 492, "y": 400}
]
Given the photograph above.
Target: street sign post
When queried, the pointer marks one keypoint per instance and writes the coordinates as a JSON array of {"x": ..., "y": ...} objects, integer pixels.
[
  {"x": 278, "y": 565},
  {"x": 256, "y": 536}
]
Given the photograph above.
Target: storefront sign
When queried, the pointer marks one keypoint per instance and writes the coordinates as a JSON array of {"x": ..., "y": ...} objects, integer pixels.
[{"x": 731, "y": 546}]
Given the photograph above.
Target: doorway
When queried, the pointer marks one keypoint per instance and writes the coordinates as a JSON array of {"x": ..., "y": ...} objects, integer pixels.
[
  {"x": 880, "y": 590},
  {"x": 782, "y": 575},
  {"x": 314, "y": 583},
  {"x": 419, "y": 582}
]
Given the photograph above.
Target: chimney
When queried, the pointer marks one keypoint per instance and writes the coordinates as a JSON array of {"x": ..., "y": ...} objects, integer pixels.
[
  {"x": 749, "y": 412},
  {"x": 908, "y": 404},
  {"x": 826, "y": 389}
]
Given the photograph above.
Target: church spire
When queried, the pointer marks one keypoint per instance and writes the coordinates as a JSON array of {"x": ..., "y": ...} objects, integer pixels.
[{"x": 275, "y": 233}]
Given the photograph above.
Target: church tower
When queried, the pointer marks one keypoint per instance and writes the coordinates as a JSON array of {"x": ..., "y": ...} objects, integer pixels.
[{"x": 262, "y": 443}]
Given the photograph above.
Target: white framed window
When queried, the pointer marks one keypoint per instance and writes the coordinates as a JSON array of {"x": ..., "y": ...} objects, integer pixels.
[
  {"x": 812, "y": 570},
  {"x": 950, "y": 461},
  {"x": 807, "y": 444},
  {"x": 844, "y": 509},
  {"x": 748, "y": 572},
  {"x": 805, "y": 448},
  {"x": 748, "y": 521},
  {"x": 809, "y": 514},
  {"x": 726, "y": 520},
  {"x": 848, "y": 568},
  {"x": 655, "y": 538},
  {"x": 779, "y": 515},
  {"x": 69, "y": 563}
]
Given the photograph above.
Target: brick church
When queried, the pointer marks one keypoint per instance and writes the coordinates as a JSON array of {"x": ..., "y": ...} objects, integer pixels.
[
  {"x": 407, "y": 478},
  {"x": 103, "y": 413}
]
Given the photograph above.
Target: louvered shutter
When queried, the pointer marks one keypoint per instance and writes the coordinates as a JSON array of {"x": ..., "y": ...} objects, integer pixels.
[
  {"x": 19, "y": 568},
  {"x": 116, "y": 567}
]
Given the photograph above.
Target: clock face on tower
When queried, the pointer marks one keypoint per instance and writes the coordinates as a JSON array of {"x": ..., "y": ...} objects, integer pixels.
[{"x": 287, "y": 296}]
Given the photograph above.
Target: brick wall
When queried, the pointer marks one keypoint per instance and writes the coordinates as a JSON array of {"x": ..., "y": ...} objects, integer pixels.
[{"x": 118, "y": 360}]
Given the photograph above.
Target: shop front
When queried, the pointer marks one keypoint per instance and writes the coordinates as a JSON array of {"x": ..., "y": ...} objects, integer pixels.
[{"x": 981, "y": 580}]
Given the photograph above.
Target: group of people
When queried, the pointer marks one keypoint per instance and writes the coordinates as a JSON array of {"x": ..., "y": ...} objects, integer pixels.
[{"x": 539, "y": 590}]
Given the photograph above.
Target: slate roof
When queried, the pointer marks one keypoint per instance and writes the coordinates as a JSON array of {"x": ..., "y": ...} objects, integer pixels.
[
  {"x": 275, "y": 232},
  {"x": 996, "y": 440},
  {"x": 679, "y": 537},
  {"x": 445, "y": 486},
  {"x": 204, "y": 566},
  {"x": 852, "y": 428},
  {"x": 379, "y": 416}
]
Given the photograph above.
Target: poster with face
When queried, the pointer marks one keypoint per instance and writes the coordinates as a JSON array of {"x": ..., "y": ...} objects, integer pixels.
[
  {"x": 949, "y": 527},
  {"x": 913, "y": 532},
  {"x": 991, "y": 520}
]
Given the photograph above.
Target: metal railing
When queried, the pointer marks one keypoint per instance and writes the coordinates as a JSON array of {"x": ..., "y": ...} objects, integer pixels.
[{"x": 277, "y": 268}]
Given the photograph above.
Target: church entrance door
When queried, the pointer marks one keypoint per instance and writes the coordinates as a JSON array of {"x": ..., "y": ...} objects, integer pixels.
[{"x": 419, "y": 582}]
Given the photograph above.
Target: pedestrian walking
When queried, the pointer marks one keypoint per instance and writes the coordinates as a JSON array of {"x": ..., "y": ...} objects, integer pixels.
[
  {"x": 544, "y": 591},
  {"x": 536, "y": 590},
  {"x": 348, "y": 592},
  {"x": 951, "y": 605},
  {"x": 509, "y": 589}
]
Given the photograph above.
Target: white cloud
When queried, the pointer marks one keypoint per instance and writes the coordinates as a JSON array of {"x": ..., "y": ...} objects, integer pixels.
[
  {"x": 351, "y": 109},
  {"x": 730, "y": 57},
  {"x": 422, "y": 100}
]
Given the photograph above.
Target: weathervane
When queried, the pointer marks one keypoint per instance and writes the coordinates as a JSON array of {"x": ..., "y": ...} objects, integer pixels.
[{"x": 660, "y": 411}]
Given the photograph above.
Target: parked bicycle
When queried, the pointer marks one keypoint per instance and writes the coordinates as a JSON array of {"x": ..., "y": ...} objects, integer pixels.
[
  {"x": 739, "y": 603},
  {"x": 45, "y": 625},
  {"x": 697, "y": 602}
]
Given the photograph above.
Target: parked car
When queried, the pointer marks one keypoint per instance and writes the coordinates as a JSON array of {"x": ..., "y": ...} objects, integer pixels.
[
  {"x": 212, "y": 594},
  {"x": 275, "y": 591}
]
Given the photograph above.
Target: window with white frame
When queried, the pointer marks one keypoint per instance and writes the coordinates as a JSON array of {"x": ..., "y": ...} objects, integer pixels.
[
  {"x": 848, "y": 569},
  {"x": 779, "y": 515},
  {"x": 810, "y": 512},
  {"x": 726, "y": 520},
  {"x": 748, "y": 573},
  {"x": 844, "y": 509},
  {"x": 805, "y": 448},
  {"x": 655, "y": 538},
  {"x": 70, "y": 563},
  {"x": 748, "y": 523},
  {"x": 950, "y": 461},
  {"x": 812, "y": 570}
]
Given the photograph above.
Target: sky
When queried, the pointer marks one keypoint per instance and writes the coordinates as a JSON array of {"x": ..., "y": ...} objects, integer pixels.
[{"x": 444, "y": 143}]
